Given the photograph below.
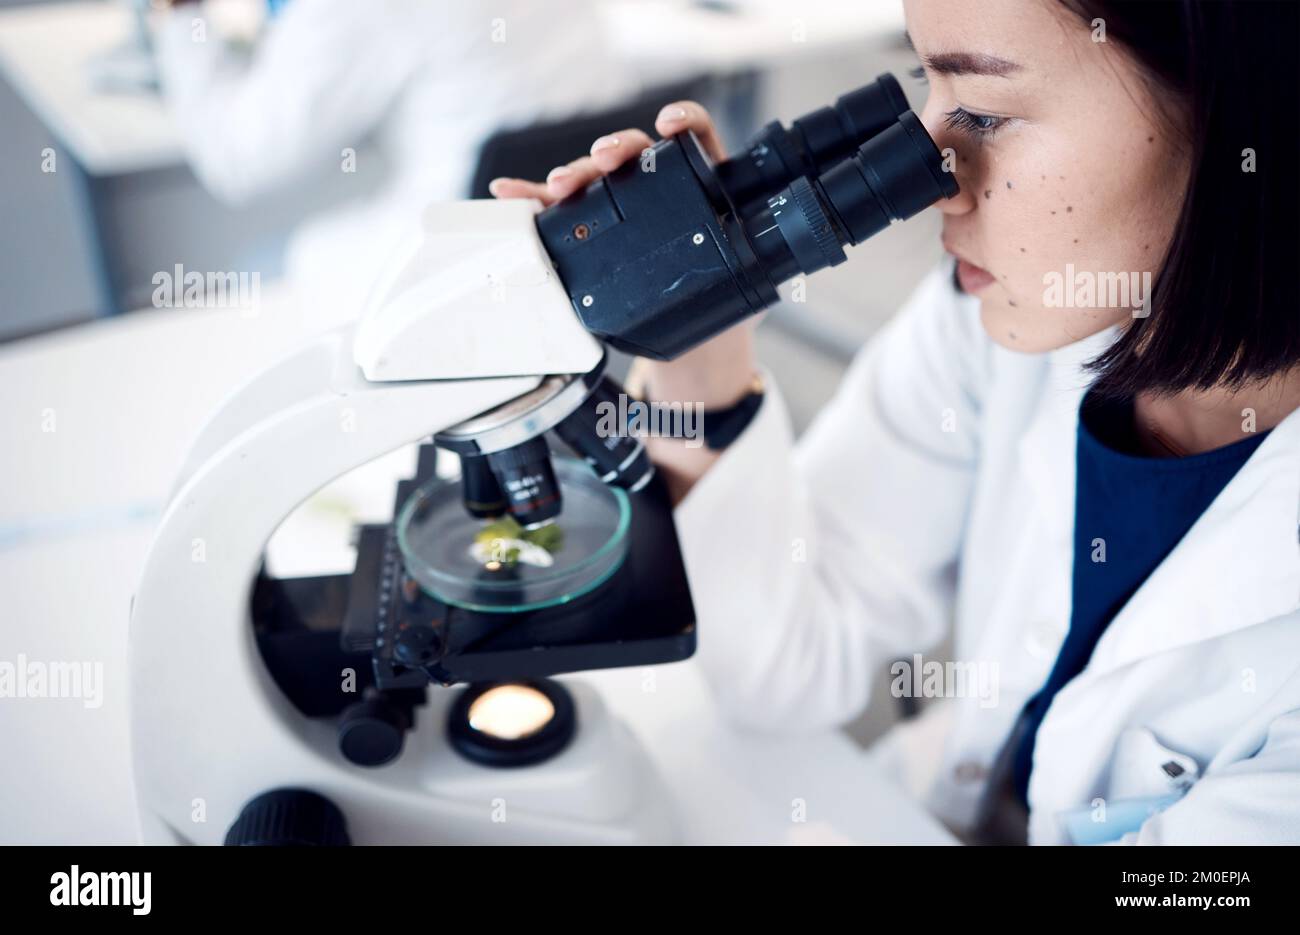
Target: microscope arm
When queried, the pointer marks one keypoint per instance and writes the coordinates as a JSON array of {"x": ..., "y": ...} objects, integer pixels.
[
  {"x": 306, "y": 421},
  {"x": 469, "y": 318}
]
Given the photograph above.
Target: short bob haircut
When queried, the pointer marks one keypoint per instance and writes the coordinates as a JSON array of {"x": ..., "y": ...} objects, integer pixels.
[{"x": 1225, "y": 304}]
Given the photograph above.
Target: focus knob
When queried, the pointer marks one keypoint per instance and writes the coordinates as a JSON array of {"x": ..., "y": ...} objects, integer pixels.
[
  {"x": 371, "y": 732},
  {"x": 289, "y": 818}
]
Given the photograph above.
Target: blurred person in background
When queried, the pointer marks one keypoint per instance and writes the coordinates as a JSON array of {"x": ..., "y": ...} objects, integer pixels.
[{"x": 427, "y": 81}]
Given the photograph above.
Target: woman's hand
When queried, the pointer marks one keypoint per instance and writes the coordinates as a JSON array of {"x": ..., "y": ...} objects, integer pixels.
[
  {"x": 611, "y": 151},
  {"x": 714, "y": 375}
]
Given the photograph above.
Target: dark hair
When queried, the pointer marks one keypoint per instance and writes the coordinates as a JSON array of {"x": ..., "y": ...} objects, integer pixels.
[{"x": 1224, "y": 305}]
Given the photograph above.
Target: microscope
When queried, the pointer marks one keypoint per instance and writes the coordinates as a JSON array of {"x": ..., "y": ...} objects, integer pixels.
[{"x": 321, "y": 709}]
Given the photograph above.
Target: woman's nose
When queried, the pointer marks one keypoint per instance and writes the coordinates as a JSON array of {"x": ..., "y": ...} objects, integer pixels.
[{"x": 949, "y": 145}]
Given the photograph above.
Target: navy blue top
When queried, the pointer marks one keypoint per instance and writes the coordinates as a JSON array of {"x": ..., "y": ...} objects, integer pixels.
[{"x": 1140, "y": 506}]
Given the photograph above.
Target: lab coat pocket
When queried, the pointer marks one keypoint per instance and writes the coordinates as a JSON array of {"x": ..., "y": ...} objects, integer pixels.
[{"x": 1146, "y": 777}]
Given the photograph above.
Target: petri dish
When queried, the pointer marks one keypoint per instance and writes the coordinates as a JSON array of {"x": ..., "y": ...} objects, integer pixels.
[{"x": 459, "y": 560}]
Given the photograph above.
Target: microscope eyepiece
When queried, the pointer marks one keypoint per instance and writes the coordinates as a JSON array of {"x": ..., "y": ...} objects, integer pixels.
[
  {"x": 892, "y": 177},
  {"x": 776, "y": 156}
]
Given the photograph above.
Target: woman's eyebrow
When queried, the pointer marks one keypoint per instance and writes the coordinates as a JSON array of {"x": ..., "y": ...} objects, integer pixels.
[{"x": 964, "y": 63}]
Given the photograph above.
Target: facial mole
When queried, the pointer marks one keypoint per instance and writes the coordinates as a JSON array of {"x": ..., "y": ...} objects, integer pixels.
[
  {"x": 1011, "y": 335},
  {"x": 1053, "y": 212},
  {"x": 1151, "y": 139},
  {"x": 1076, "y": 239},
  {"x": 1022, "y": 249},
  {"x": 1012, "y": 303},
  {"x": 988, "y": 193},
  {"x": 1068, "y": 209},
  {"x": 1008, "y": 183}
]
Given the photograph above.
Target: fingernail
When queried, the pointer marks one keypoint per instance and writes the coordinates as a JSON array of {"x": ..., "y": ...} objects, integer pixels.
[
  {"x": 672, "y": 114},
  {"x": 559, "y": 172},
  {"x": 494, "y": 186},
  {"x": 605, "y": 142}
]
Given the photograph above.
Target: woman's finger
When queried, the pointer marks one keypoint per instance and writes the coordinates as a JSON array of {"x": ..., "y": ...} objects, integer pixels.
[
  {"x": 690, "y": 115},
  {"x": 519, "y": 188},
  {"x": 563, "y": 181},
  {"x": 612, "y": 150},
  {"x": 607, "y": 154}
]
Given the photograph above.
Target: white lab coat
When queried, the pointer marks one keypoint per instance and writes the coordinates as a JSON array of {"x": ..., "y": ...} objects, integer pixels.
[
  {"x": 428, "y": 81},
  {"x": 935, "y": 494}
]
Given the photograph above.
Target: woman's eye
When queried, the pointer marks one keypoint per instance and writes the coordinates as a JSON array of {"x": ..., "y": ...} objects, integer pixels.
[{"x": 977, "y": 125}]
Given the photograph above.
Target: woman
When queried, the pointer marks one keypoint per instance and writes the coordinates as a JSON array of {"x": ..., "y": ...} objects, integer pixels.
[{"x": 1099, "y": 493}]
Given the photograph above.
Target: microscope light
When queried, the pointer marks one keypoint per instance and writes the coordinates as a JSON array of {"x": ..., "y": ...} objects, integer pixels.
[
  {"x": 511, "y": 712},
  {"x": 509, "y": 724}
]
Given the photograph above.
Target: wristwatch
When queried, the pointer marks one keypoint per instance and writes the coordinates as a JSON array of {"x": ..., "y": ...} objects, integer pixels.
[
  {"x": 720, "y": 427},
  {"x": 724, "y": 426}
]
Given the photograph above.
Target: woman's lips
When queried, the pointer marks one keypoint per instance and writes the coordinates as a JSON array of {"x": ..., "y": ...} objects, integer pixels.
[{"x": 972, "y": 278}]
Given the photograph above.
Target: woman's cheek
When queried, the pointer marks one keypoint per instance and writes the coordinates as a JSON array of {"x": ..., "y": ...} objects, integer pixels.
[{"x": 1039, "y": 228}]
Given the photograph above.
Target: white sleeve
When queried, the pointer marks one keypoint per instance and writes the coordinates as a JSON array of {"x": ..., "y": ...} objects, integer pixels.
[
  {"x": 1255, "y": 800},
  {"x": 811, "y": 567},
  {"x": 324, "y": 75}
]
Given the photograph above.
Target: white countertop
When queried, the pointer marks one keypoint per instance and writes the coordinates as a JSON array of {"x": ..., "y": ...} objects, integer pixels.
[{"x": 77, "y": 509}]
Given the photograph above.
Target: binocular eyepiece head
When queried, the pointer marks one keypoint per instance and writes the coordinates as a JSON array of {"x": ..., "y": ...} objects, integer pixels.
[{"x": 671, "y": 249}]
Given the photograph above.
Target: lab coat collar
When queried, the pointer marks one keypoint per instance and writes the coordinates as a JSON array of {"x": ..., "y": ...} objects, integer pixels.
[
  {"x": 1238, "y": 565},
  {"x": 1047, "y": 449}
]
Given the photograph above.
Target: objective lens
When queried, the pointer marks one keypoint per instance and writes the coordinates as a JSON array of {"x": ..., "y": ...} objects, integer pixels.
[
  {"x": 480, "y": 492},
  {"x": 617, "y": 457},
  {"x": 527, "y": 478}
]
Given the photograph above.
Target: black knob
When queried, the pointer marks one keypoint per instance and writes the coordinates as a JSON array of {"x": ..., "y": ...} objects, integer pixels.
[
  {"x": 289, "y": 818},
  {"x": 417, "y": 646},
  {"x": 371, "y": 732}
]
